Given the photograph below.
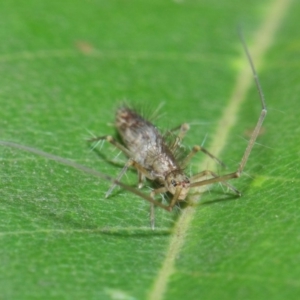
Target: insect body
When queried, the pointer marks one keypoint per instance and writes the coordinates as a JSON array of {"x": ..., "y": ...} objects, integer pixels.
[
  {"x": 155, "y": 159},
  {"x": 150, "y": 154}
]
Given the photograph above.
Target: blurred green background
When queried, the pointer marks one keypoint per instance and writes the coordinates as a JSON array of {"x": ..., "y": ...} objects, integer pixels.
[{"x": 64, "y": 67}]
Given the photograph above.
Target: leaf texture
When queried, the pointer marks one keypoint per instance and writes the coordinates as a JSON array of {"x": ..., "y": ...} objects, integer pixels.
[{"x": 65, "y": 66}]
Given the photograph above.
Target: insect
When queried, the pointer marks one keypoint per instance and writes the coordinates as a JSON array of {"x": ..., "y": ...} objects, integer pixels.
[{"x": 155, "y": 159}]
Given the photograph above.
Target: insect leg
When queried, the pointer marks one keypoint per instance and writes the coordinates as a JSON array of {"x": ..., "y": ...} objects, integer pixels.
[
  {"x": 112, "y": 141},
  {"x": 195, "y": 150},
  {"x": 83, "y": 168},
  {"x": 175, "y": 198},
  {"x": 244, "y": 159},
  {"x": 183, "y": 129},
  {"x": 123, "y": 171},
  {"x": 164, "y": 190},
  {"x": 141, "y": 179},
  {"x": 160, "y": 190},
  {"x": 168, "y": 208},
  {"x": 208, "y": 172},
  {"x": 254, "y": 135},
  {"x": 152, "y": 216},
  {"x": 142, "y": 173}
]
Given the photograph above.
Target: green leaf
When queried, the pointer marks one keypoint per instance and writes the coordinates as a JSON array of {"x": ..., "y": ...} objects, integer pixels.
[{"x": 64, "y": 68}]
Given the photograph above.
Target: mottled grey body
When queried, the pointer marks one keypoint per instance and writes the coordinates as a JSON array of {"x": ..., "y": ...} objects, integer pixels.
[{"x": 147, "y": 147}]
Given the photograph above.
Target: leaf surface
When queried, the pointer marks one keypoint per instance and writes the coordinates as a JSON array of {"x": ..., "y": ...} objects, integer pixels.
[{"x": 65, "y": 66}]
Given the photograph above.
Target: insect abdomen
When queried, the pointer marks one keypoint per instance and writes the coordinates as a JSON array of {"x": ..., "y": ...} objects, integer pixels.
[{"x": 144, "y": 141}]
